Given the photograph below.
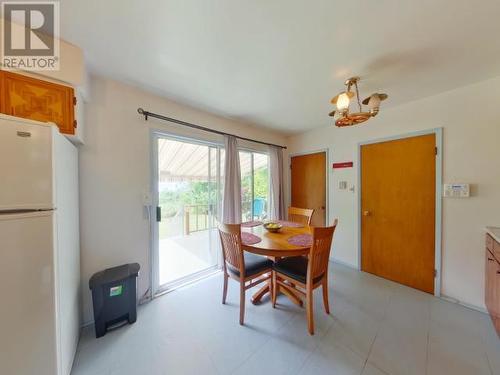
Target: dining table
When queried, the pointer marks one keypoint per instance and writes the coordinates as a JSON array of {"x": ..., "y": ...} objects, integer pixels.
[{"x": 276, "y": 245}]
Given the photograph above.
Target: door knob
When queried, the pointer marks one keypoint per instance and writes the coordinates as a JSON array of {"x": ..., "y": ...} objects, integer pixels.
[{"x": 366, "y": 213}]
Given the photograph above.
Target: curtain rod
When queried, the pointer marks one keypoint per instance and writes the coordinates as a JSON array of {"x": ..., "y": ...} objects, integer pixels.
[{"x": 147, "y": 114}]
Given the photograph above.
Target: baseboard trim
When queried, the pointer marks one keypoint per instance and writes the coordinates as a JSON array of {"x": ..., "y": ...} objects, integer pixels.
[
  {"x": 461, "y": 303},
  {"x": 344, "y": 264},
  {"x": 86, "y": 324},
  {"x": 148, "y": 298},
  {"x": 443, "y": 296}
]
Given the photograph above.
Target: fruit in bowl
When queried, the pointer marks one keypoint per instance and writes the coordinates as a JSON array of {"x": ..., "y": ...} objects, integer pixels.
[{"x": 273, "y": 227}]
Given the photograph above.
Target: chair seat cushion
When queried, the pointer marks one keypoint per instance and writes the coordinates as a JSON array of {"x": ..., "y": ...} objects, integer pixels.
[
  {"x": 294, "y": 267},
  {"x": 253, "y": 264}
]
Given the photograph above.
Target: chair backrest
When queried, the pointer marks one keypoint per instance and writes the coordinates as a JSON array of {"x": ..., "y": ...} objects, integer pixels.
[
  {"x": 300, "y": 215},
  {"x": 232, "y": 252},
  {"x": 320, "y": 251}
]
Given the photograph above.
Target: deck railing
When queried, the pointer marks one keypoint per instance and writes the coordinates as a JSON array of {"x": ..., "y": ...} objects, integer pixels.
[{"x": 198, "y": 217}]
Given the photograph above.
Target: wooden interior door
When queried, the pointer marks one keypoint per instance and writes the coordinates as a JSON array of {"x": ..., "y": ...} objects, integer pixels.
[
  {"x": 398, "y": 199},
  {"x": 38, "y": 100},
  {"x": 308, "y": 180}
]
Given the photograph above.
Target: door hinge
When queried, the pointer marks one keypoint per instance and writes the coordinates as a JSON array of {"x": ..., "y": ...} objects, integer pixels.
[
  {"x": 158, "y": 213},
  {"x": 75, "y": 124},
  {"x": 74, "y": 100},
  {"x": 435, "y": 273},
  {"x": 435, "y": 150}
]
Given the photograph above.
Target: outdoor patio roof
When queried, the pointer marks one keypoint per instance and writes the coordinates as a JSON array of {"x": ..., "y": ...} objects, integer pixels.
[{"x": 181, "y": 161}]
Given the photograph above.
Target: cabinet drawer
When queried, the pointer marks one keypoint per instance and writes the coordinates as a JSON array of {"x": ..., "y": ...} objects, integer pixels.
[{"x": 489, "y": 242}]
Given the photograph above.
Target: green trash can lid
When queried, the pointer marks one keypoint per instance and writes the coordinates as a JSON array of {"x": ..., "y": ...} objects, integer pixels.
[{"x": 114, "y": 274}]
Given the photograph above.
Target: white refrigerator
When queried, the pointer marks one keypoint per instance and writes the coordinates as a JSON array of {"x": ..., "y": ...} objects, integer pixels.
[{"x": 39, "y": 249}]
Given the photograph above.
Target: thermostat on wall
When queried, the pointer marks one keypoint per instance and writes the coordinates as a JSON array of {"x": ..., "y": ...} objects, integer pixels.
[{"x": 456, "y": 190}]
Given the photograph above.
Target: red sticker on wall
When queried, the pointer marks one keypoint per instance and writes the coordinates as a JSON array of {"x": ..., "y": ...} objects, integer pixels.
[{"x": 345, "y": 164}]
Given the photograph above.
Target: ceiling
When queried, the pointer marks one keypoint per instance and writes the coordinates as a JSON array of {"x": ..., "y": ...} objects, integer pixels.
[{"x": 277, "y": 63}]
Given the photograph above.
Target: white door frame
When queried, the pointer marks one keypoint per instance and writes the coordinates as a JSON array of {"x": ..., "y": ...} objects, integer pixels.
[
  {"x": 439, "y": 208},
  {"x": 327, "y": 178}
]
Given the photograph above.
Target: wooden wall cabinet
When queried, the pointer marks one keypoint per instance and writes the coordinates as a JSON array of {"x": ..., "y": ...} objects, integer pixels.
[
  {"x": 39, "y": 100},
  {"x": 492, "y": 281}
]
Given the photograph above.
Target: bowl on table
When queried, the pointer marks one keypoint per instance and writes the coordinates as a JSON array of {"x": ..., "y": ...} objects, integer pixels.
[{"x": 273, "y": 227}]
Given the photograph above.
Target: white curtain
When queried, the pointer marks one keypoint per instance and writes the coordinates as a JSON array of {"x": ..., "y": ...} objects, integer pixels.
[
  {"x": 231, "y": 202},
  {"x": 277, "y": 191}
]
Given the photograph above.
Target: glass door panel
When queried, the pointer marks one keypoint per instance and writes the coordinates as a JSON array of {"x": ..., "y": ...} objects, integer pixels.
[
  {"x": 260, "y": 186},
  {"x": 246, "y": 185},
  {"x": 254, "y": 185},
  {"x": 188, "y": 186}
]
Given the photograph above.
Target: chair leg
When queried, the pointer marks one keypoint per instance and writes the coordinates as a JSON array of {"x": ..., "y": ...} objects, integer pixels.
[
  {"x": 274, "y": 289},
  {"x": 324, "y": 287},
  {"x": 309, "y": 310},
  {"x": 224, "y": 290},
  {"x": 242, "y": 302}
]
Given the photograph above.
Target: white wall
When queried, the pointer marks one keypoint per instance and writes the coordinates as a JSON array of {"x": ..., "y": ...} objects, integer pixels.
[
  {"x": 115, "y": 173},
  {"x": 470, "y": 117}
]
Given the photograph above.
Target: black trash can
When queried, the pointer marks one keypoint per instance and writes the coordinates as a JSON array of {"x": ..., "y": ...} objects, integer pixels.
[{"x": 114, "y": 296}]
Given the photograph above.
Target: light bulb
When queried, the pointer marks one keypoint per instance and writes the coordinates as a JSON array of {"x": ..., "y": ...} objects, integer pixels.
[
  {"x": 343, "y": 102},
  {"x": 374, "y": 101}
]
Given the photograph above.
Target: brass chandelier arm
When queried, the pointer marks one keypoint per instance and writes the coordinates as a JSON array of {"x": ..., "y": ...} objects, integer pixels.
[{"x": 357, "y": 96}]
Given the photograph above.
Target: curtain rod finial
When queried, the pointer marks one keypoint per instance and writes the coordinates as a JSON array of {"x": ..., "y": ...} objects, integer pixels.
[{"x": 143, "y": 112}]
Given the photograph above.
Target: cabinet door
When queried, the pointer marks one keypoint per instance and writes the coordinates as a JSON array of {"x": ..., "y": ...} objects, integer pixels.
[
  {"x": 2, "y": 93},
  {"x": 487, "y": 279},
  {"x": 39, "y": 100},
  {"x": 495, "y": 290},
  {"x": 495, "y": 296},
  {"x": 492, "y": 285}
]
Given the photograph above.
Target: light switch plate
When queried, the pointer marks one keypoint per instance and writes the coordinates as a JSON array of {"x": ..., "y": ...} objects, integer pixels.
[{"x": 147, "y": 198}]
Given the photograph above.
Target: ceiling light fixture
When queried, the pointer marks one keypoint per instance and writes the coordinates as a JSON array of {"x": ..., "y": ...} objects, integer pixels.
[{"x": 344, "y": 99}]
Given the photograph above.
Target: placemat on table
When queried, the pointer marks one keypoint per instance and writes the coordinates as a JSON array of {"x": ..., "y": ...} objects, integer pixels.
[
  {"x": 248, "y": 224},
  {"x": 300, "y": 240},
  {"x": 249, "y": 238},
  {"x": 290, "y": 224}
]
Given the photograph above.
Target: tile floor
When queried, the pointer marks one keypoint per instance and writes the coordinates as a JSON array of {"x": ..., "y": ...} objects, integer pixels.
[{"x": 376, "y": 328}]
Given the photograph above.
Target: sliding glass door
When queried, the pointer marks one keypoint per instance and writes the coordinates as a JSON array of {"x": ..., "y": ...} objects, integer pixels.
[
  {"x": 188, "y": 200},
  {"x": 188, "y": 179}
]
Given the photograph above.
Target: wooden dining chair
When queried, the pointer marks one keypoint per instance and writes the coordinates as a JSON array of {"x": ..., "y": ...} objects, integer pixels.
[
  {"x": 301, "y": 275},
  {"x": 300, "y": 215},
  {"x": 246, "y": 268}
]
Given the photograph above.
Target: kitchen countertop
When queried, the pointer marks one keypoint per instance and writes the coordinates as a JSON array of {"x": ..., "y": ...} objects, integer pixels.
[{"x": 494, "y": 232}]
